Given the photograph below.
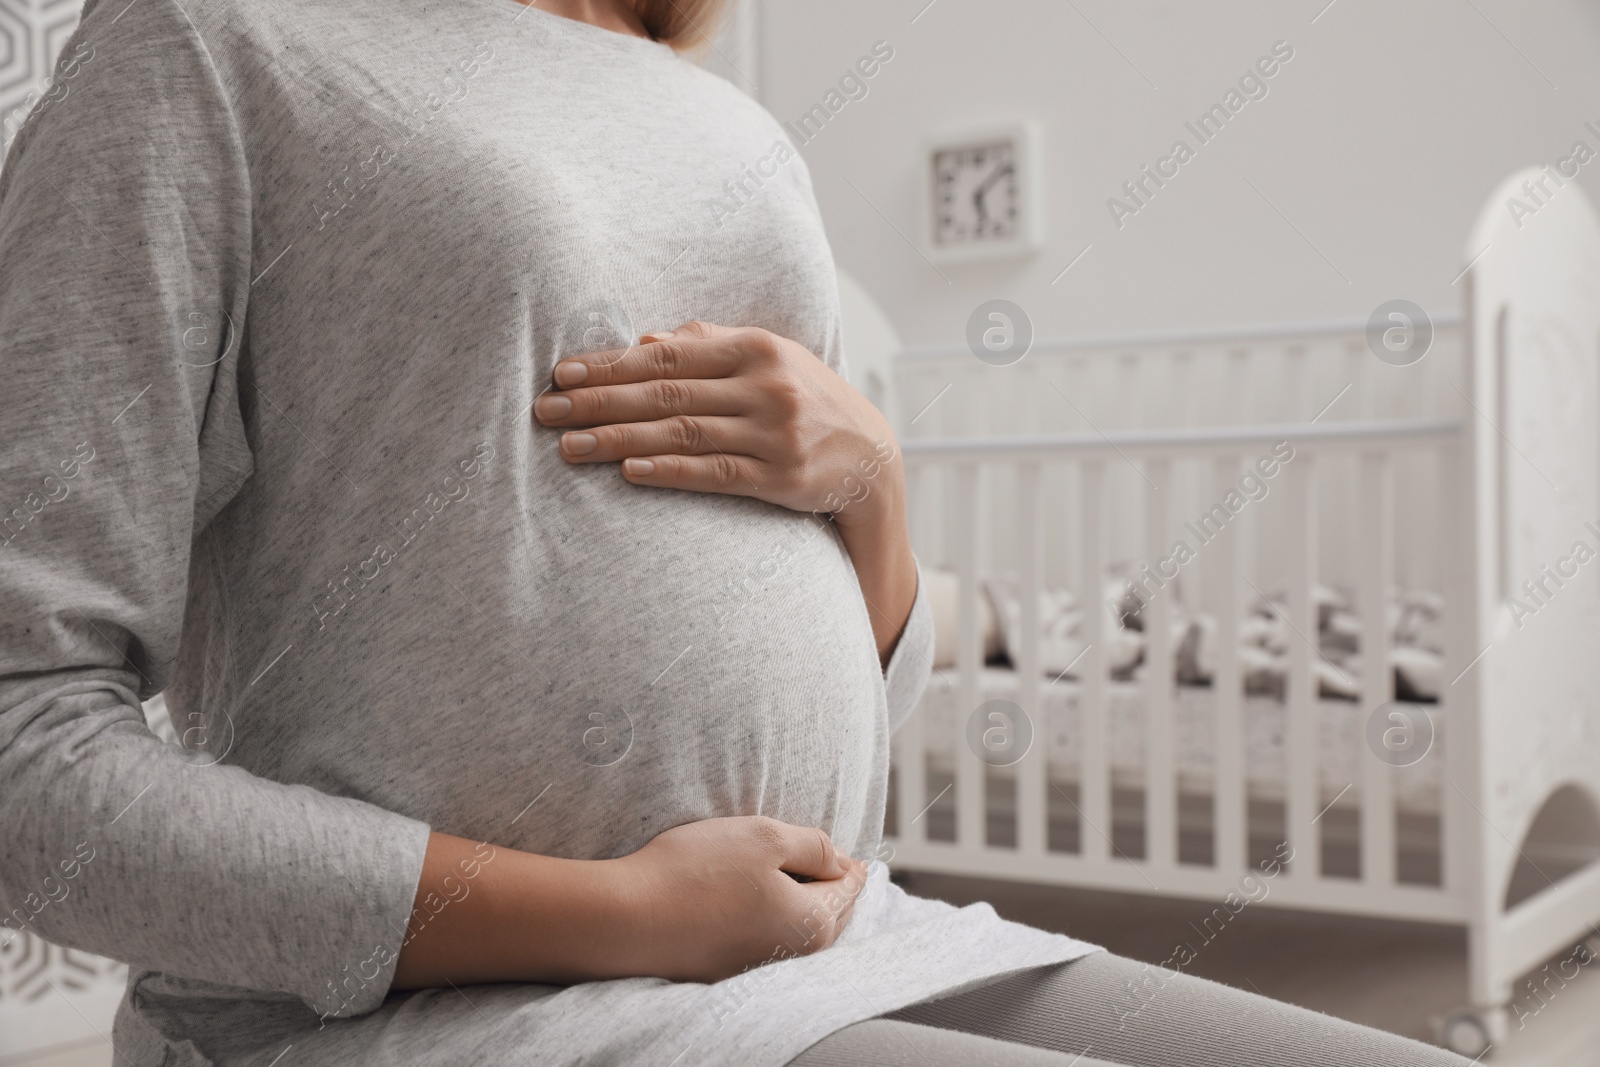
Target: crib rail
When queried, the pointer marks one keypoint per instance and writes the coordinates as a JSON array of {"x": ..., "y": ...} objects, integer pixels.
[
  {"x": 1183, "y": 443},
  {"x": 961, "y": 522},
  {"x": 1232, "y": 337},
  {"x": 1191, "y": 378}
]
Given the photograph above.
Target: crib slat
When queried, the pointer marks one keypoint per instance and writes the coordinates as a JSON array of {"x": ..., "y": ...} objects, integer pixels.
[
  {"x": 1161, "y": 828},
  {"x": 1376, "y": 570},
  {"x": 1031, "y": 827},
  {"x": 1301, "y": 710},
  {"x": 910, "y": 755},
  {"x": 1094, "y": 771},
  {"x": 1230, "y": 796},
  {"x": 1233, "y": 831},
  {"x": 1185, "y": 493},
  {"x": 969, "y": 660},
  {"x": 1459, "y": 709}
]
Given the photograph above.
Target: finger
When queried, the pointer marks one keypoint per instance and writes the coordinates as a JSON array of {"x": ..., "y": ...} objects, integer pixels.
[
  {"x": 847, "y": 885},
  {"x": 641, "y": 402},
  {"x": 829, "y": 905},
  {"x": 696, "y": 350},
  {"x": 808, "y": 850},
  {"x": 713, "y": 472},
  {"x": 682, "y": 435},
  {"x": 696, "y": 328}
]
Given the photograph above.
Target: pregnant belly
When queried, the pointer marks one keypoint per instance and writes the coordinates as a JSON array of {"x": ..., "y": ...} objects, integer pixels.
[{"x": 690, "y": 656}]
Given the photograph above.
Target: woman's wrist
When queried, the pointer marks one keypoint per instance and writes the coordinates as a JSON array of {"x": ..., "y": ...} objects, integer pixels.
[
  {"x": 887, "y": 571},
  {"x": 875, "y": 533},
  {"x": 871, "y": 493}
]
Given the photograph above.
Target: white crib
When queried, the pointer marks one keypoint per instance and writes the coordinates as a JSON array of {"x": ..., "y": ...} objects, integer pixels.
[{"x": 1464, "y": 474}]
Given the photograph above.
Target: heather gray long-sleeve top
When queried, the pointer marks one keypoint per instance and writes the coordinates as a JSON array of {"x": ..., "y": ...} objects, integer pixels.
[{"x": 279, "y": 283}]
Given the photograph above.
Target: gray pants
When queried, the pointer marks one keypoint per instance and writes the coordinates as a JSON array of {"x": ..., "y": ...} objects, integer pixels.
[{"x": 1104, "y": 1010}]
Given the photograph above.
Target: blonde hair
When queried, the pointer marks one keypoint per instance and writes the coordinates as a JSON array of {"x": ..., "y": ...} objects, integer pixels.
[{"x": 686, "y": 25}]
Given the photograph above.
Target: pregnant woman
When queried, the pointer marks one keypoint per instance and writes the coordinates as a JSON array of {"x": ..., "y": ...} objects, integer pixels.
[{"x": 390, "y": 384}]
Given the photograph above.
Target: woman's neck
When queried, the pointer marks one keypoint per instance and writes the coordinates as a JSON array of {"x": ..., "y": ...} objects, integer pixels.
[{"x": 616, "y": 15}]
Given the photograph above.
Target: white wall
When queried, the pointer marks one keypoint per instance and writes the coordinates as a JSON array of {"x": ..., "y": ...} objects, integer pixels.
[{"x": 1379, "y": 141}]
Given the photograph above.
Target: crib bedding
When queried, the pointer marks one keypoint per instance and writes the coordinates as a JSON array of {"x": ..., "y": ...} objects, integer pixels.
[
  {"x": 1341, "y": 742},
  {"x": 1413, "y": 622}
]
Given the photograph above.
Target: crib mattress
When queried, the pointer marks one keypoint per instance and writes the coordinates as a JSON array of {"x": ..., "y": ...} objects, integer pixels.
[{"x": 1343, "y": 755}]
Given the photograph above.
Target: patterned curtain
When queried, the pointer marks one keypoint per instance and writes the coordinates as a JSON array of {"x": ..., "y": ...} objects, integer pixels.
[{"x": 31, "y": 35}]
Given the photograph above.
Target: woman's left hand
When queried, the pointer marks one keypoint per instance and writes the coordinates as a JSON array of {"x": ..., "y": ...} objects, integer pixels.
[
  {"x": 739, "y": 411},
  {"x": 744, "y": 412}
]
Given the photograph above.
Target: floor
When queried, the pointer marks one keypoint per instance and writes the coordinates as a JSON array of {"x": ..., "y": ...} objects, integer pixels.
[{"x": 1396, "y": 976}]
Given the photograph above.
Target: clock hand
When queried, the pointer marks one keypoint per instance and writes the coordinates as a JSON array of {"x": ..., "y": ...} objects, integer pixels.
[
  {"x": 1000, "y": 172},
  {"x": 982, "y": 189}
]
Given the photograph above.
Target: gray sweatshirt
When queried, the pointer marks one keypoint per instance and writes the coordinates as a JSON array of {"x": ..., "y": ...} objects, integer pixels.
[{"x": 279, "y": 283}]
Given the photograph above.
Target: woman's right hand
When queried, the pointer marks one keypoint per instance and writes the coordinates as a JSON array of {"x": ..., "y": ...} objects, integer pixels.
[
  {"x": 706, "y": 900},
  {"x": 700, "y": 902}
]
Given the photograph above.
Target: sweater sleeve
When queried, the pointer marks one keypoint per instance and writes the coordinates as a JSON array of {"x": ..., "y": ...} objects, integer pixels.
[
  {"x": 911, "y": 663},
  {"x": 125, "y": 264}
]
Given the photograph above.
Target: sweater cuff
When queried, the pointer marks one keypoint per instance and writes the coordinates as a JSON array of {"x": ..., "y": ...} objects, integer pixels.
[
  {"x": 911, "y": 663},
  {"x": 378, "y": 930}
]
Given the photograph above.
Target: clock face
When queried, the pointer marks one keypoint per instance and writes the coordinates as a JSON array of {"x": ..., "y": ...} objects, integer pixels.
[{"x": 976, "y": 196}]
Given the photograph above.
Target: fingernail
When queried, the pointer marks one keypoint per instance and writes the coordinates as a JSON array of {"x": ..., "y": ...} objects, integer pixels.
[
  {"x": 571, "y": 372},
  {"x": 842, "y": 856},
  {"x": 656, "y": 335},
  {"x": 578, "y": 444},
  {"x": 551, "y": 406},
  {"x": 638, "y": 466}
]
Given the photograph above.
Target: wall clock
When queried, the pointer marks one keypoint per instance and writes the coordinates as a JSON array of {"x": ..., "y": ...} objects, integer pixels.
[{"x": 983, "y": 186}]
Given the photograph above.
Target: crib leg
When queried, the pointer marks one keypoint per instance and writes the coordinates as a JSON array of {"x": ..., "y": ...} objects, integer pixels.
[{"x": 1472, "y": 1031}]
